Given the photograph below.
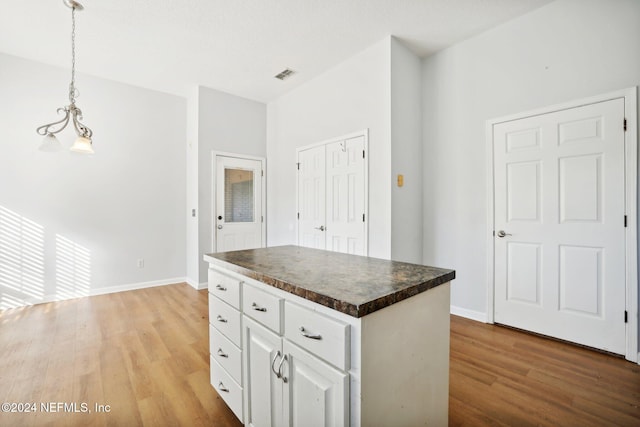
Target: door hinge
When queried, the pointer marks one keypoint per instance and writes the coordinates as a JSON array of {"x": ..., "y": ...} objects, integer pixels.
[
  {"x": 625, "y": 125},
  {"x": 298, "y": 164},
  {"x": 626, "y": 317},
  {"x": 261, "y": 173},
  {"x": 262, "y": 218},
  {"x": 363, "y": 154},
  {"x": 298, "y": 215},
  {"x": 362, "y": 217},
  {"x": 625, "y": 220}
]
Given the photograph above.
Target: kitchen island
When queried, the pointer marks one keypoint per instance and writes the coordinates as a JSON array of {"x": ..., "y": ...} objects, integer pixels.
[{"x": 306, "y": 337}]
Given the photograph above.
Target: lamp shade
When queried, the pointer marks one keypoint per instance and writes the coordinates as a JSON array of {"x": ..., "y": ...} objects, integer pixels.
[
  {"x": 82, "y": 145},
  {"x": 50, "y": 144}
]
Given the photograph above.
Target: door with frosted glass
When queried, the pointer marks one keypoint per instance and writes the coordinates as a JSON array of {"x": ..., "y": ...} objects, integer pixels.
[{"x": 238, "y": 215}]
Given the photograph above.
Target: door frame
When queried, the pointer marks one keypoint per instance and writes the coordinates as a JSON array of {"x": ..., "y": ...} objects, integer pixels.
[
  {"x": 214, "y": 174},
  {"x": 364, "y": 133},
  {"x": 631, "y": 199}
]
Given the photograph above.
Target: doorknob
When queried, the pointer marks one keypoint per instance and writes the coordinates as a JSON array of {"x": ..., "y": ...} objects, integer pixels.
[
  {"x": 321, "y": 228},
  {"x": 501, "y": 233}
]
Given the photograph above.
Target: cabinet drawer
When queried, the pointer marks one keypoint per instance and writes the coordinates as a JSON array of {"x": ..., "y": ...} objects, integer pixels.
[
  {"x": 262, "y": 306},
  {"x": 224, "y": 287},
  {"x": 226, "y": 354},
  {"x": 325, "y": 337},
  {"x": 225, "y": 318},
  {"x": 227, "y": 388}
]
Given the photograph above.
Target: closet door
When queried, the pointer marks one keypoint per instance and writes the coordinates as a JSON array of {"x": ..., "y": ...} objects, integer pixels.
[
  {"x": 332, "y": 196},
  {"x": 311, "y": 198},
  {"x": 345, "y": 220}
]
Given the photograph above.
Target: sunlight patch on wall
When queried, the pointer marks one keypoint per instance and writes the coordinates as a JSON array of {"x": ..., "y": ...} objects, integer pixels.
[
  {"x": 73, "y": 269},
  {"x": 21, "y": 260}
]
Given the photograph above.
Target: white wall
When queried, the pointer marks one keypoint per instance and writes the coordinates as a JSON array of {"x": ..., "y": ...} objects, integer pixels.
[
  {"x": 72, "y": 225},
  {"x": 352, "y": 96},
  {"x": 192, "y": 150},
  {"x": 566, "y": 50},
  {"x": 229, "y": 124},
  {"x": 406, "y": 154}
]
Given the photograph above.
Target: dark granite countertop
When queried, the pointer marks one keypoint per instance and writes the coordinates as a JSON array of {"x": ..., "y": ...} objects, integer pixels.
[{"x": 351, "y": 284}]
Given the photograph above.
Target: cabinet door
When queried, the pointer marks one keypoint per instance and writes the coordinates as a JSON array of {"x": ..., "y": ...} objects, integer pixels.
[
  {"x": 315, "y": 394},
  {"x": 263, "y": 389}
]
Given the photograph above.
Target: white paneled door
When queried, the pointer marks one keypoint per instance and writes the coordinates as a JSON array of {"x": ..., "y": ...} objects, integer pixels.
[
  {"x": 238, "y": 217},
  {"x": 560, "y": 224},
  {"x": 311, "y": 197},
  {"x": 332, "y": 196}
]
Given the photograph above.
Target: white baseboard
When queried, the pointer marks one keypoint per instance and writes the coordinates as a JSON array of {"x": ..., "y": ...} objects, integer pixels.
[
  {"x": 191, "y": 283},
  {"x": 134, "y": 286},
  {"x": 469, "y": 314},
  {"x": 23, "y": 302},
  {"x": 195, "y": 285}
]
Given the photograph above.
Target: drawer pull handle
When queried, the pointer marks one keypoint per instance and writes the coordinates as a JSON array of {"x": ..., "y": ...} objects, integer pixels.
[
  {"x": 222, "y": 353},
  {"x": 221, "y": 288},
  {"x": 280, "y": 374},
  {"x": 221, "y": 319},
  {"x": 273, "y": 362},
  {"x": 221, "y": 387},
  {"x": 256, "y": 307},
  {"x": 306, "y": 334}
]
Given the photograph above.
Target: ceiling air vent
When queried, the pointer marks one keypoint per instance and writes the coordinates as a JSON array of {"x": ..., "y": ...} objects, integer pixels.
[{"x": 285, "y": 74}]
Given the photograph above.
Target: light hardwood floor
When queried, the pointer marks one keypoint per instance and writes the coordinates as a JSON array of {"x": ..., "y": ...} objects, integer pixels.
[{"x": 145, "y": 354}]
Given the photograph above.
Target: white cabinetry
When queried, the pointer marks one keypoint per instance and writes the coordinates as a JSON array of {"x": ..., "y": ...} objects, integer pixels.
[
  {"x": 263, "y": 388},
  {"x": 225, "y": 339},
  {"x": 316, "y": 394},
  {"x": 286, "y": 385},
  {"x": 278, "y": 359}
]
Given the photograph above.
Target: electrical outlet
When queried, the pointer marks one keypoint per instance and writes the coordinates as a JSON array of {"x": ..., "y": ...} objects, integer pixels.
[{"x": 141, "y": 263}]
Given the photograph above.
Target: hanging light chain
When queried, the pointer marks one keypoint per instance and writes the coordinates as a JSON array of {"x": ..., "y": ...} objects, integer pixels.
[
  {"x": 72, "y": 114},
  {"x": 72, "y": 85}
]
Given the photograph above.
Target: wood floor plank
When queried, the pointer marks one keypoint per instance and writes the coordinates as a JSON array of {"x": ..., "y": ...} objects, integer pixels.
[
  {"x": 145, "y": 354},
  {"x": 546, "y": 381}
]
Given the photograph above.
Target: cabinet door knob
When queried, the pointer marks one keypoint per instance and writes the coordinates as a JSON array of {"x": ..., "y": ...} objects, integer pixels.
[
  {"x": 222, "y": 353},
  {"x": 221, "y": 319},
  {"x": 221, "y": 387},
  {"x": 221, "y": 288},
  {"x": 306, "y": 334}
]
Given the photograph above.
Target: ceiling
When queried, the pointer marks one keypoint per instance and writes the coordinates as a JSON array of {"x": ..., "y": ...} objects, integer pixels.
[{"x": 236, "y": 46}]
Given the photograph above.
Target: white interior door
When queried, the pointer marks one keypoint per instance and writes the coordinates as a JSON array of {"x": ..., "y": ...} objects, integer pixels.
[
  {"x": 238, "y": 213},
  {"x": 345, "y": 222},
  {"x": 560, "y": 225},
  {"x": 311, "y": 198},
  {"x": 332, "y": 196}
]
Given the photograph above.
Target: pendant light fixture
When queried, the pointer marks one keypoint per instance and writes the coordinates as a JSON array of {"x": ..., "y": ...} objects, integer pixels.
[{"x": 72, "y": 113}]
